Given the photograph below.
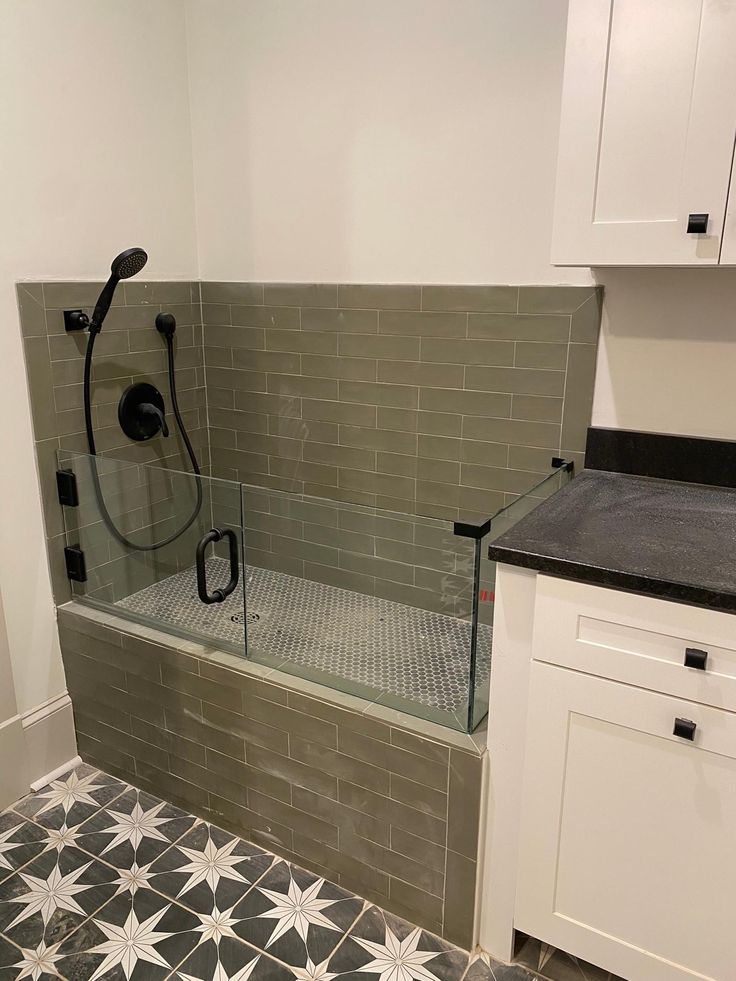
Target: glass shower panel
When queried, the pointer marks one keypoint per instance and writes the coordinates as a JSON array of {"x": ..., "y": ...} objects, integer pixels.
[
  {"x": 370, "y": 602},
  {"x": 501, "y": 522},
  {"x": 158, "y": 546}
]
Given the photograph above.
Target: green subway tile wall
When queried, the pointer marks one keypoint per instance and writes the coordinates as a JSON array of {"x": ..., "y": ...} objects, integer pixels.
[{"x": 390, "y": 814}]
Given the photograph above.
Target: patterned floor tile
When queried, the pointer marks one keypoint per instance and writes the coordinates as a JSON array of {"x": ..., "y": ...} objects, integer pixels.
[
  {"x": 71, "y": 799},
  {"x": 135, "y": 936},
  {"x": 52, "y": 895},
  {"x": 295, "y": 916},
  {"x": 16, "y": 964},
  {"x": 385, "y": 945},
  {"x": 208, "y": 869},
  {"x": 20, "y": 841},
  {"x": 230, "y": 960},
  {"x": 484, "y": 968},
  {"x": 554, "y": 964},
  {"x": 133, "y": 831}
]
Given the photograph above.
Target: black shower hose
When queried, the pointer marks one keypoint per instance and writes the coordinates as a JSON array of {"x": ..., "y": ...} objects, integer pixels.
[{"x": 106, "y": 517}]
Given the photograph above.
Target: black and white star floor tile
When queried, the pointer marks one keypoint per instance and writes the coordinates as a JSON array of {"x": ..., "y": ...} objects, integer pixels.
[
  {"x": 209, "y": 869},
  {"x": 71, "y": 799},
  {"x": 382, "y": 945},
  {"x": 50, "y": 896},
  {"x": 295, "y": 916},
  {"x": 20, "y": 841},
  {"x": 135, "y": 936},
  {"x": 134, "y": 830},
  {"x": 102, "y": 882}
]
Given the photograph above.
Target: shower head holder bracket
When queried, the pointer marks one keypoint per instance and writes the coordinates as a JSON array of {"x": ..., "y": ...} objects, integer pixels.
[{"x": 75, "y": 320}]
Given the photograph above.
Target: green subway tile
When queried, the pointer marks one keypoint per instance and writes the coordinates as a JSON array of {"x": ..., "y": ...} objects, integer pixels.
[
  {"x": 340, "y": 321},
  {"x": 489, "y": 454},
  {"x": 415, "y": 905},
  {"x": 519, "y": 327},
  {"x": 387, "y": 440},
  {"x": 241, "y": 293},
  {"x": 238, "y": 772},
  {"x": 309, "y": 551},
  {"x": 299, "y": 386},
  {"x": 235, "y": 337},
  {"x": 379, "y": 346},
  {"x": 553, "y": 299},
  {"x": 424, "y": 798},
  {"x": 303, "y": 342},
  {"x": 531, "y": 458},
  {"x": 397, "y": 396},
  {"x": 397, "y": 865},
  {"x": 499, "y": 478},
  {"x": 342, "y": 412},
  {"x": 313, "y": 431},
  {"x": 378, "y": 297},
  {"x": 417, "y": 373},
  {"x": 377, "y": 483},
  {"x": 445, "y": 471},
  {"x": 137, "y": 292},
  {"x": 370, "y": 524},
  {"x": 422, "y": 324},
  {"x": 31, "y": 309},
  {"x": 343, "y": 817},
  {"x": 301, "y": 294},
  {"x": 62, "y": 296},
  {"x": 363, "y": 773},
  {"x": 439, "y": 447},
  {"x": 368, "y": 565},
  {"x": 418, "y": 849},
  {"x": 300, "y": 822},
  {"x": 443, "y": 351},
  {"x": 245, "y": 823},
  {"x": 254, "y": 733},
  {"x": 586, "y": 321},
  {"x": 534, "y": 354},
  {"x": 469, "y": 403},
  {"x": 430, "y": 492},
  {"x": 537, "y": 408},
  {"x": 340, "y": 456},
  {"x": 292, "y": 770},
  {"x": 339, "y": 538},
  {"x": 209, "y": 691},
  {"x": 439, "y": 423},
  {"x": 40, "y": 385},
  {"x": 269, "y": 403},
  {"x": 464, "y": 795},
  {"x": 218, "y": 357},
  {"x": 268, "y": 317},
  {"x": 522, "y": 381},
  {"x": 216, "y": 314},
  {"x": 168, "y": 742},
  {"x": 394, "y": 759},
  {"x": 393, "y": 812},
  {"x": 460, "y": 880},
  {"x": 303, "y": 470},
  {"x": 485, "y": 299},
  {"x": 355, "y": 369},
  {"x": 578, "y": 395},
  {"x": 396, "y": 463},
  {"x": 400, "y": 420}
]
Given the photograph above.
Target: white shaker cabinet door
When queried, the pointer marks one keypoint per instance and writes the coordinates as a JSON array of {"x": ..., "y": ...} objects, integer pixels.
[
  {"x": 628, "y": 833},
  {"x": 647, "y": 131}
]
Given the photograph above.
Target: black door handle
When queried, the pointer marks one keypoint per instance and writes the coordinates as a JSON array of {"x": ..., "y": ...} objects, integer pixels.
[
  {"x": 216, "y": 535},
  {"x": 684, "y": 728}
]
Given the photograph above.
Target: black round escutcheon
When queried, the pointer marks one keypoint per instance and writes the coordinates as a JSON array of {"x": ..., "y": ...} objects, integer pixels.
[{"x": 136, "y": 424}]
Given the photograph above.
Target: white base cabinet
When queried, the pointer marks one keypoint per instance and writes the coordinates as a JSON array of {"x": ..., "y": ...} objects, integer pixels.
[{"x": 627, "y": 852}]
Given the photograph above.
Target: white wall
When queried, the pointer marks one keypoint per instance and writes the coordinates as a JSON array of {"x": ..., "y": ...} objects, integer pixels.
[
  {"x": 96, "y": 157},
  {"x": 667, "y": 360},
  {"x": 345, "y": 140}
]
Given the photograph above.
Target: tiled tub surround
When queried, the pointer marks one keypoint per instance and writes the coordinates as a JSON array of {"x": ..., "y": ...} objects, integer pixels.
[
  {"x": 135, "y": 887},
  {"x": 372, "y": 799}
]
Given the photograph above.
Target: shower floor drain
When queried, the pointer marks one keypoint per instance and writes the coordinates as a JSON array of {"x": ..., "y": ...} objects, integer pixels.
[{"x": 370, "y": 646}]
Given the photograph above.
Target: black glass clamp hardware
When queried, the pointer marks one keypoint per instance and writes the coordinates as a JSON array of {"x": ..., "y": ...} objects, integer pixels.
[
  {"x": 76, "y": 567},
  {"x": 685, "y": 729},
  {"x": 697, "y": 224},
  {"x": 216, "y": 535},
  {"x": 560, "y": 463},
  {"x": 695, "y": 658},
  {"x": 66, "y": 488}
]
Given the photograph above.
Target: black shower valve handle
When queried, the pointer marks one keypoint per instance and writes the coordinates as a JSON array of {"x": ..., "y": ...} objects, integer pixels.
[{"x": 147, "y": 408}]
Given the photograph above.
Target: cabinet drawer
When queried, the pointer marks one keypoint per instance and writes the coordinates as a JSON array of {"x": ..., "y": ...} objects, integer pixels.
[{"x": 637, "y": 640}]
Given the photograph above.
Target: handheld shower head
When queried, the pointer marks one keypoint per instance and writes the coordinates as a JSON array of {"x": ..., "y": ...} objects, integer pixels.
[
  {"x": 123, "y": 266},
  {"x": 128, "y": 263}
]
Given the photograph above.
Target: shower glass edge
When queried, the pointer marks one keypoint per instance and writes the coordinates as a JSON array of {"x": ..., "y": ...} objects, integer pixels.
[{"x": 144, "y": 504}]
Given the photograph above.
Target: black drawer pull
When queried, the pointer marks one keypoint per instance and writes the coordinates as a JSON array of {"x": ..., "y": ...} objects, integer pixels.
[
  {"x": 685, "y": 729},
  {"x": 697, "y": 223},
  {"x": 217, "y": 595},
  {"x": 695, "y": 658}
]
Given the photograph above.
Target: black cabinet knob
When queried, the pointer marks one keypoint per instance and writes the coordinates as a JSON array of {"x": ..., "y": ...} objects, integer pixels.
[
  {"x": 695, "y": 658},
  {"x": 685, "y": 729},
  {"x": 697, "y": 224}
]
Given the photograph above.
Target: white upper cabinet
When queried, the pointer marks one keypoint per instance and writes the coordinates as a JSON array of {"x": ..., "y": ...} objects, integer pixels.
[{"x": 647, "y": 133}]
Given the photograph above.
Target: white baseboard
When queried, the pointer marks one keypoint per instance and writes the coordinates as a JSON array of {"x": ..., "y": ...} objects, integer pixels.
[
  {"x": 55, "y": 774},
  {"x": 51, "y": 745}
]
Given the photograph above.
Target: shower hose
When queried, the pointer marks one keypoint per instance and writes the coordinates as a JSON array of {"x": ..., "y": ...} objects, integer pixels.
[{"x": 106, "y": 516}]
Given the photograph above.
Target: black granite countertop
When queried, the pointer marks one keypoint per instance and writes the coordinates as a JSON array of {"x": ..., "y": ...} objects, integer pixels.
[{"x": 660, "y": 537}]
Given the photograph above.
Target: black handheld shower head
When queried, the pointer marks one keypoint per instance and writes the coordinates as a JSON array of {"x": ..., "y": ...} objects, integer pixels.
[{"x": 123, "y": 266}]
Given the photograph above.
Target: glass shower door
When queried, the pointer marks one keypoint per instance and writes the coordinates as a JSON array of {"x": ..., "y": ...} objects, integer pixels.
[{"x": 158, "y": 546}]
